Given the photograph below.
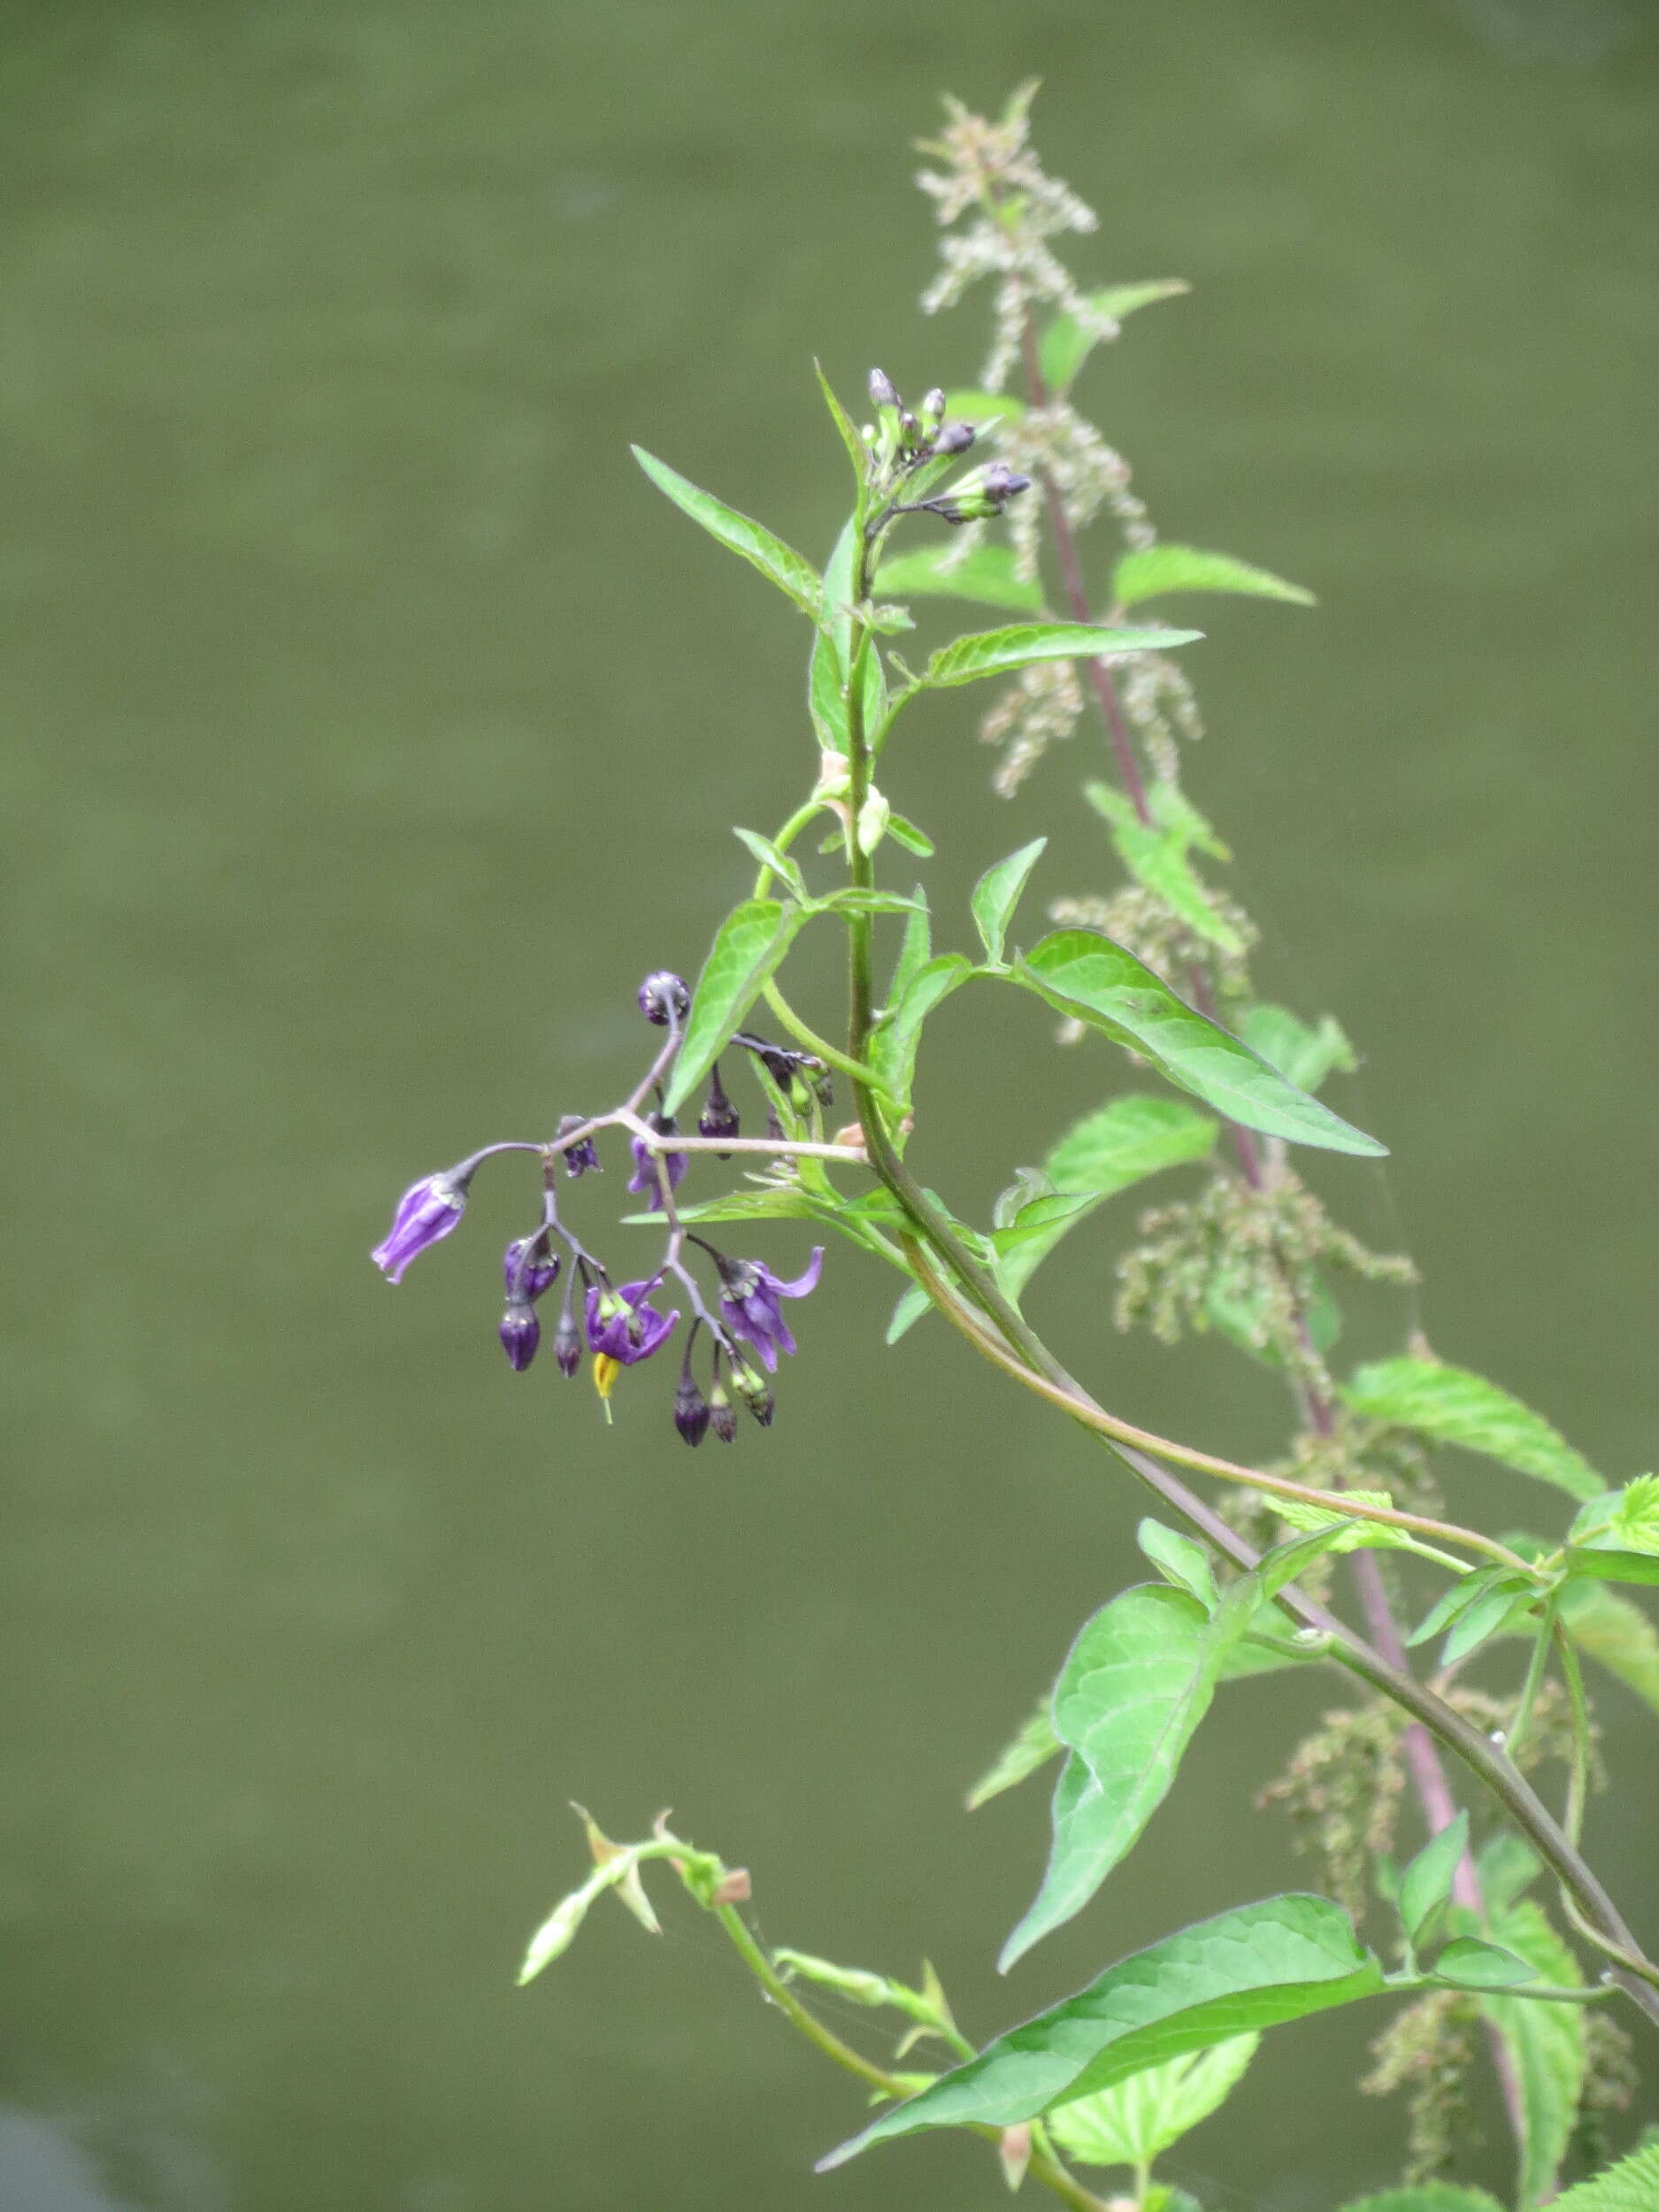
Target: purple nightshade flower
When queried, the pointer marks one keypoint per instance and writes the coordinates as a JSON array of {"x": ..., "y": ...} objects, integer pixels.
[
  {"x": 663, "y": 998},
  {"x": 644, "y": 1178},
  {"x": 583, "y": 1158},
  {"x": 520, "y": 1334},
  {"x": 426, "y": 1213},
  {"x": 529, "y": 1274},
  {"x": 624, "y": 1325},
  {"x": 750, "y": 1293}
]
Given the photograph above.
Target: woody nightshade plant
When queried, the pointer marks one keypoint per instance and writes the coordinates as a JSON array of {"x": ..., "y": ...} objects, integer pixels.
[{"x": 984, "y": 495}]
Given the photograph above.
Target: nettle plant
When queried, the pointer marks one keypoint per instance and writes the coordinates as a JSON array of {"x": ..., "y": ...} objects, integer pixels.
[{"x": 981, "y": 495}]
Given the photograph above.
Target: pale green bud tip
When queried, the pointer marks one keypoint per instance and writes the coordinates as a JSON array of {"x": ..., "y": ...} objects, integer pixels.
[
  {"x": 874, "y": 817},
  {"x": 852, "y": 1982},
  {"x": 555, "y": 1936}
]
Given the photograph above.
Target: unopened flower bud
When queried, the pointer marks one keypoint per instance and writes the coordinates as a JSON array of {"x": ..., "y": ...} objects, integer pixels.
[
  {"x": 692, "y": 1410},
  {"x": 426, "y": 1213},
  {"x": 956, "y": 437},
  {"x": 722, "y": 1418},
  {"x": 933, "y": 408},
  {"x": 529, "y": 1270},
  {"x": 567, "y": 1343},
  {"x": 663, "y": 998},
  {"x": 719, "y": 1117},
  {"x": 756, "y": 1392},
  {"x": 907, "y": 427},
  {"x": 732, "y": 1888},
  {"x": 883, "y": 393},
  {"x": 874, "y": 817},
  {"x": 1002, "y": 482},
  {"x": 520, "y": 1334},
  {"x": 583, "y": 1158}
]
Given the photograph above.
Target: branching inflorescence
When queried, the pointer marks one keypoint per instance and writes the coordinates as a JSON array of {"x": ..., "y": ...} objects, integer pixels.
[{"x": 1157, "y": 964}]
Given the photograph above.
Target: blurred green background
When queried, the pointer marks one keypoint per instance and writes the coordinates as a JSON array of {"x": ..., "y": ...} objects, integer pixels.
[{"x": 374, "y": 726}]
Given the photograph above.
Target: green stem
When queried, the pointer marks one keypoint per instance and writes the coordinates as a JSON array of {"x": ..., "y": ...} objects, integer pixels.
[
  {"x": 1530, "y": 1687},
  {"x": 810, "y": 1038},
  {"x": 1049, "y": 2171}
]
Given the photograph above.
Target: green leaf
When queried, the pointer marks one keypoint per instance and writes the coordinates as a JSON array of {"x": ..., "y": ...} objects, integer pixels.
[
  {"x": 1068, "y": 340},
  {"x": 1086, "y": 975},
  {"x": 827, "y": 676},
  {"x": 844, "y": 423},
  {"x": 1468, "y": 1963},
  {"x": 777, "y": 1202},
  {"x": 1452, "y": 1406},
  {"x": 1494, "y": 1611},
  {"x": 1136, "y": 2121},
  {"x": 914, "y": 953},
  {"x": 1427, "y": 1882},
  {"x": 997, "y": 652},
  {"x": 986, "y": 574},
  {"x": 1154, "y": 569},
  {"x": 1033, "y": 1747},
  {"x": 1427, "y": 2196},
  {"x": 746, "y": 948},
  {"x": 1616, "y": 1537},
  {"x": 1137, "y": 1682},
  {"x": 1504, "y": 1866},
  {"x": 983, "y": 407},
  {"x": 906, "y": 834},
  {"x": 1546, "y": 2047},
  {"x": 798, "y": 580},
  {"x": 895, "y": 1041},
  {"x": 1632, "y": 2185},
  {"x": 1121, "y": 1143},
  {"x": 1157, "y": 854},
  {"x": 913, "y": 1303},
  {"x": 1617, "y": 1634},
  {"x": 997, "y": 894},
  {"x": 780, "y": 863},
  {"x": 1178, "y": 1560},
  {"x": 1303, "y": 1056},
  {"x": 1455, "y": 1600},
  {"x": 1242, "y": 1970},
  {"x": 1348, "y": 1534}
]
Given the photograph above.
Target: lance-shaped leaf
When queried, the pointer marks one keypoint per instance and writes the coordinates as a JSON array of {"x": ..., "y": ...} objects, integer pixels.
[
  {"x": 1245, "y": 1969},
  {"x": 1158, "y": 854},
  {"x": 1304, "y": 1054},
  {"x": 997, "y": 652},
  {"x": 985, "y": 574},
  {"x": 1546, "y": 2047},
  {"x": 1137, "y": 2120},
  {"x": 896, "y": 1039},
  {"x": 997, "y": 894},
  {"x": 1086, "y": 975},
  {"x": 796, "y": 578},
  {"x": 1452, "y": 1406},
  {"x": 1152, "y": 569},
  {"x": 1632, "y": 2185},
  {"x": 746, "y": 948},
  {"x": 1071, "y": 338},
  {"x": 1138, "y": 1681}
]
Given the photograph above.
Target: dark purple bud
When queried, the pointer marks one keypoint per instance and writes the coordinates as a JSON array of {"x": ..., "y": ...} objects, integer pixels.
[
  {"x": 520, "y": 1334},
  {"x": 529, "y": 1270},
  {"x": 645, "y": 1178},
  {"x": 580, "y": 1159},
  {"x": 883, "y": 392},
  {"x": 1002, "y": 482},
  {"x": 567, "y": 1341},
  {"x": 426, "y": 1213},
  {"x": 956, "y": 437},
  {"x": 719, "y": 1117},
  {"x": 692, "y": 1410},
  {"x": 663, "y": 998},
  {"x": 933, "y": 408}
]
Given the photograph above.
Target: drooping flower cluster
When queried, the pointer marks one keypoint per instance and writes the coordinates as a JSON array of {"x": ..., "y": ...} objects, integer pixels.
[{"x": 619, "y": 1326}]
